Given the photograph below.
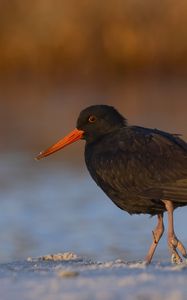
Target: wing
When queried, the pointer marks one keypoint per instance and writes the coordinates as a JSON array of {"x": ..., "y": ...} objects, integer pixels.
[{"x": 147, "y": 162}]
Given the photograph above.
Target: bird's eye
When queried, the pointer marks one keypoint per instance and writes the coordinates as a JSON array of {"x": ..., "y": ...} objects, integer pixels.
[{"x": 92, "y": 119}]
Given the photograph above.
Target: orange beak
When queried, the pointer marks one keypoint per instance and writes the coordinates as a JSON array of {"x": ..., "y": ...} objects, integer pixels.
[{"x": 72, "y": 137}]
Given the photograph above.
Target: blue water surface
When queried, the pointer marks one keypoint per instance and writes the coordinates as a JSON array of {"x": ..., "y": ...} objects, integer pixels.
[{"x": 51, "y": 206}]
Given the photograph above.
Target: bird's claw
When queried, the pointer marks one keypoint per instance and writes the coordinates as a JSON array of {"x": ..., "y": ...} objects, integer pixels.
[
  {"x": 175, "y": 244},
  {"x": 176, "y": 259}
]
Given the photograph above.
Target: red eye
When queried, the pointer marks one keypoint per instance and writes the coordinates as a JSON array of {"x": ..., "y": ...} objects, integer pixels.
[{"x": 92, "y": 119}]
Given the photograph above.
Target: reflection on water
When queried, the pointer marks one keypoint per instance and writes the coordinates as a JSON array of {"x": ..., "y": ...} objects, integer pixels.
[
  {"x": 49, "y": 207},
  {"x": 35, "y": 113}
]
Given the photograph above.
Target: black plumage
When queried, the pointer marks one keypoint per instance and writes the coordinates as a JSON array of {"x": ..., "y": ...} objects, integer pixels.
[
  {"x": 135, "y": 166},
  {"x": 141, "y": 170}
]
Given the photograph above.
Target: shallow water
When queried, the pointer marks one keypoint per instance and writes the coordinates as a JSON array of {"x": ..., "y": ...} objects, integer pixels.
[{"x": 49, "y": 207}]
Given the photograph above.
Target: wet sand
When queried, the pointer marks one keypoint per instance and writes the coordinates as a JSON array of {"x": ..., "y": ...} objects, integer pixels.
[{"x": 69, "y": 276}]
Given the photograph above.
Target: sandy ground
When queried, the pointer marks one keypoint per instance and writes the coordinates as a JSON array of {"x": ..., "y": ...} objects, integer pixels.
[{"x": 68, "y": 276}]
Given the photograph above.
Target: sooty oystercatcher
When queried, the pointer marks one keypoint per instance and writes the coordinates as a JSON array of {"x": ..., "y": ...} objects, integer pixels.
[{"x": 141, "y": 170}]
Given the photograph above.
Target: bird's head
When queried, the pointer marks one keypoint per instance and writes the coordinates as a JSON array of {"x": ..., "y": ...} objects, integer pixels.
[{"x": 93, "y": 122}]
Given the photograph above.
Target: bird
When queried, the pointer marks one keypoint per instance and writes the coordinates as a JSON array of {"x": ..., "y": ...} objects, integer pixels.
[{"x": 142, "y": 170}]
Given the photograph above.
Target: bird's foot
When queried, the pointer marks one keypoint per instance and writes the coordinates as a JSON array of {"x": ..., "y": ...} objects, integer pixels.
[
  {"x": 175, "y": 244},
  {"x": 176, "y": 259}
]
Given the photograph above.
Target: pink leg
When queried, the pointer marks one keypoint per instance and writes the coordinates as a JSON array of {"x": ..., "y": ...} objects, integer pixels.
[
  {"x": 157, "y": 234},
  {"x": 173, "y": 242}
]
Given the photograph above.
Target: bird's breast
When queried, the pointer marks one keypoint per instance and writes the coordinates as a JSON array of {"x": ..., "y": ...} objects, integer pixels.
[{"x": 118, "y": 178}]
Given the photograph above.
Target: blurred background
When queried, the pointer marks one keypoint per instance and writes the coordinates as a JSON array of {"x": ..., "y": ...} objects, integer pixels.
[{"x": 56, "y": 57}]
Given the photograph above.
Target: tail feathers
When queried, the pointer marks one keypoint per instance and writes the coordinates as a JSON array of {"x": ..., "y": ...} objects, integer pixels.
[{"x": 176, "y": 191}]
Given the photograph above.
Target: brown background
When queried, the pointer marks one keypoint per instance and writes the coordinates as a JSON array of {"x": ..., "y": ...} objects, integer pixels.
[{"x": 56, "y": 57}]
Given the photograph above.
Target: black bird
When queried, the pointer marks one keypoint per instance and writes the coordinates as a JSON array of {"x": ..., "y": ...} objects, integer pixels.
[{"x": 141, "y": 170}]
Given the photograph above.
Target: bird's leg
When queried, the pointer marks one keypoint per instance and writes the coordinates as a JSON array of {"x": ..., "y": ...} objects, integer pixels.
[
  {"x": 173, "y": 242},
  {"x": 157, "y": 234}
]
